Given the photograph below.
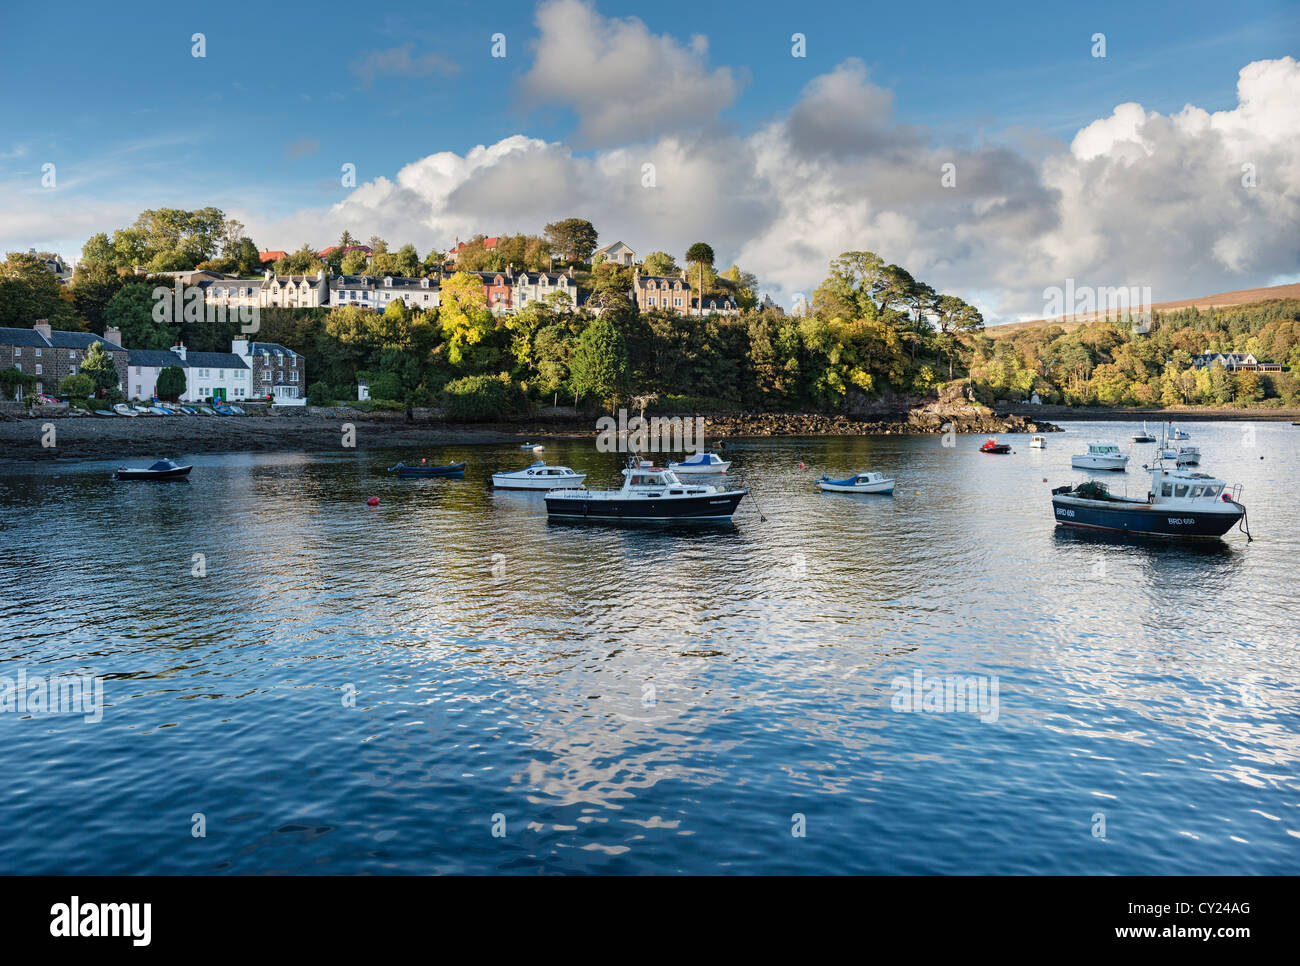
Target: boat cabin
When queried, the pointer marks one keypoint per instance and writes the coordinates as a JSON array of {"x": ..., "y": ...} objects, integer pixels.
[
  {"x": 1169, "y": 485},
  {"x": 1104, "y": 449}
]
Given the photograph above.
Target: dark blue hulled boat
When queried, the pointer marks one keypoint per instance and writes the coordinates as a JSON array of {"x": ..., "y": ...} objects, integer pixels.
[
  {"x": 649, "y": 494},
  {"x": 1180, "y": 504},
  {"x": 452, "y": 469},
  {"x": 161, "y": 470}
]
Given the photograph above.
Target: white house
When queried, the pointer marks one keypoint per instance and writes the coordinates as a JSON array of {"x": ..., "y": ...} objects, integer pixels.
[
  {"x": 379, "y": 293},
  {"x": 294, "y": 291},
  {"x": 208, "y": 375},
  {"x": 618, "y": 253},
  {"x": 536, "y": 286}
]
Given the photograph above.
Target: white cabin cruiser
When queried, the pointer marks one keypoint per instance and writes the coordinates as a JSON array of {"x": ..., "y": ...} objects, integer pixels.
[
  {"x": 1187, "y": 456},
  {"x": 858, "y": 483},
  {"x": 1038, "y": 442},
  {"x": 648, "y": 494},
  {"x": 539, "y": 476},
  {"x": 701, "y": 463},
  {"x": 1181, "y": 503},
  {"x": 1100, "y": 456}
]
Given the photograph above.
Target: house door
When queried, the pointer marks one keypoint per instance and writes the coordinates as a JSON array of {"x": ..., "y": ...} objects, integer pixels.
[{"x": 219, "y": 393}]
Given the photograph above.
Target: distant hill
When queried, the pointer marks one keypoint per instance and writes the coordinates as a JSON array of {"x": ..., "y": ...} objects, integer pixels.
[{"x": 1245, "y": 296}]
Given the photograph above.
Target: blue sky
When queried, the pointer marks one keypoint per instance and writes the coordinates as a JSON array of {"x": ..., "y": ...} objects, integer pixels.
[{"x": 262, "y": 123}]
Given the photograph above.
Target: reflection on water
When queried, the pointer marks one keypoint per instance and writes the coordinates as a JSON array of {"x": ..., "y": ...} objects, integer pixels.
[{"x": 339, "y": 688}]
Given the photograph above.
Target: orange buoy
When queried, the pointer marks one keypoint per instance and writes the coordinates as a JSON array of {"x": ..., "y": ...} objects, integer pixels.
[{"x": 373, "y": 501}]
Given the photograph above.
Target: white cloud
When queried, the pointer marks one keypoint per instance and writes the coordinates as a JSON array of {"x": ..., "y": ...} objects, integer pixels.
[{"x": 623, "y": 82}]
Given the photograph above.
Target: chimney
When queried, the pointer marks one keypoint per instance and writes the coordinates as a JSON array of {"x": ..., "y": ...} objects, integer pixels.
[
  {"x": 43, "y": 327},
  {"x": 239, "y": 347},
  {"x": 268, "y": 275},
  {"x": 320, "y": 275},
  {"x": 114, "y": 335},
  {"x": 179, "y": 349}
]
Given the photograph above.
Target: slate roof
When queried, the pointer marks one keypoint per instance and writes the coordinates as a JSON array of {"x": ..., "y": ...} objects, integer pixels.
[
  {"x": 271, "y": 348},
  {"x": 22, "y": 337},
  {"x": 214, "y": 360},
  {"x": 62, "y": 339},
  {"x": 156, "y": 358}
]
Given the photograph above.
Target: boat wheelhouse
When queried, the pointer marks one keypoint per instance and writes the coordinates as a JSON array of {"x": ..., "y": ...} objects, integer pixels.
[
  {"x": 701, "y": 463},
  {"x": 648, "y": 494},
  {"x": 1100, "y": 456},
  {"x": 1038, "y": 442},
  {"x": 1181, "y": 503},
  {"x": 1187, "y": 456},
  {"x": 538, "y": 476}
]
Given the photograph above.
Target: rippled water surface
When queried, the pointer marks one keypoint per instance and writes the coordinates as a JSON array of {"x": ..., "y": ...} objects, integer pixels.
[{"x": 352, "y": 689}]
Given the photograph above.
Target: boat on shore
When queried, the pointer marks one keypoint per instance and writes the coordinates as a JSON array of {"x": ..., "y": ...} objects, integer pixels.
[
  {"x": 701, "y": 463},
  {"x": 1181, "y": 503},
  {"x": 451, "y": 469},
  {"x": 539, "y": 476},
  {"x": 1101, "y": 456},
  {"x": 161, "y": 470},
  {"x": 648, "y": 494},
  {"x": 858, "y": 483},
  {"x": 993, "y": 446}
]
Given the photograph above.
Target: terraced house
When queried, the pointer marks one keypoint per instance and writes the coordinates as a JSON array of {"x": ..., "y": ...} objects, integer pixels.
[
  {"x": 208, "y": 375},
  {"x": 379, "y": 293},
  {"x": 49, "y": 354},
  {"x": 276, "y": 371}
]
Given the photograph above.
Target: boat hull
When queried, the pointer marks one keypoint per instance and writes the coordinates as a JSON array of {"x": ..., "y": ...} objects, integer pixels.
[
  {"x": 1113, "y": 464},
  {"x": 1144, "y": 518},
  {"x": 506, "y": 482},
  {"x": 707, "y": 506},
  {"x": 881, "y": 488},
  {"x": 180, "y": 473},
  {"x": 1000, "y": 450},
  {"x": 455, "y": 469}
]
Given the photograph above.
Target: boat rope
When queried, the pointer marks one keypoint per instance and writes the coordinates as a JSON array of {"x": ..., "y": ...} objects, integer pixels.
[{"x": 1244, "y": 523}]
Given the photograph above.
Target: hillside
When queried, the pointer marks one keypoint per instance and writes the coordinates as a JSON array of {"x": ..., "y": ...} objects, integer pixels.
[{"x": 1245, "y": 296}]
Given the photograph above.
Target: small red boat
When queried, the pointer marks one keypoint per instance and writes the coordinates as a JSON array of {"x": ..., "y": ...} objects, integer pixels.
[{"x": 993, "y": 446}]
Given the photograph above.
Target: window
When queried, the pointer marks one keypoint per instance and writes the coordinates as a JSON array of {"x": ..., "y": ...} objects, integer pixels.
[
  {"x": 38, "y": 353},
  {"x": 17, "y": 351},
  {"x": 18, "y": 366},
  {"x": 1180, "y": 490},
  {"x": 1167, "y": 490},
  {"x": 72, "y": 355},
  {"x": 1197, "y": 491},
  {"x": 677, "y": 302},
  {"x": 38, "y": 368}
]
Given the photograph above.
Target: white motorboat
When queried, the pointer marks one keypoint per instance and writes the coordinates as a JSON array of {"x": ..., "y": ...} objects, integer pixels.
[
  {"x": 1187, "y": 456},
  {"x": 858, "y": 483},
  {"x": 535, "y": 447},
  {"x": 539, "y": 476},
  {"x": 648, "y": 494},
  {"x": 1038, "y": 442},
  {"x": 701, "y": 463},
  {"x": 1100, "y": 456}
]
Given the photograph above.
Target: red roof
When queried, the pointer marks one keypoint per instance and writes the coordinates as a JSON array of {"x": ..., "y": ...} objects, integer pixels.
[
  {"x": 487, "y": 243},
  {"x": 270, "y": 256},
  {"x": 325, "y": 253}
]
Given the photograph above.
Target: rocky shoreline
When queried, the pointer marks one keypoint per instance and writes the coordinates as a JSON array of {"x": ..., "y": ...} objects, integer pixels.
[{"x": 91, "y": 437}]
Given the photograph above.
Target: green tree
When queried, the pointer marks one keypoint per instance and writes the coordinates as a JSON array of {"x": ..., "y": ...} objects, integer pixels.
[
  {"x": 701, "y": 256},
  {"x": 78, "y": 386},
  {"x": 599, "y": 365},
  {"x": 29, "y": 291},
  {"x": 659, "y": 264},
  {"x": 403, "y": 263},
  {"x": 304, "y": 261},
  {"x": 354, "y": 263},
  {"x": 99, "y": 366},
  {"x": 573, "y": 238},
  {"x": 171, "y": 383},
  {"x": 132, "y": 311}
]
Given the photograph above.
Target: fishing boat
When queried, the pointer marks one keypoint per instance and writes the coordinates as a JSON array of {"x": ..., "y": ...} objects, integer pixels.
[
  {"x": 539, "y": 476},
  {"x": 1100, "y": 456},
  {"x": 701, "y": 463},
  {"x": 1038, "y": 442},
  {"x": 1144, "y": 436},
  {"x": 648, "y": 494},
  {"x": 161, "y": 470},
  {"x": 451, "y": 469},
  {"x": 1174, "y": 433},
  {"x": 858, "y": 483},
  {"x": 993, "y": 446},
  {"x": 1187, "y": 456},
  {"x": 1181, "y": 503}
]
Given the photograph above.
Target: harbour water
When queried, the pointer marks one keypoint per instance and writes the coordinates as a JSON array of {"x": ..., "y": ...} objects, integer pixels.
[{"x": 295, "y": 682}]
